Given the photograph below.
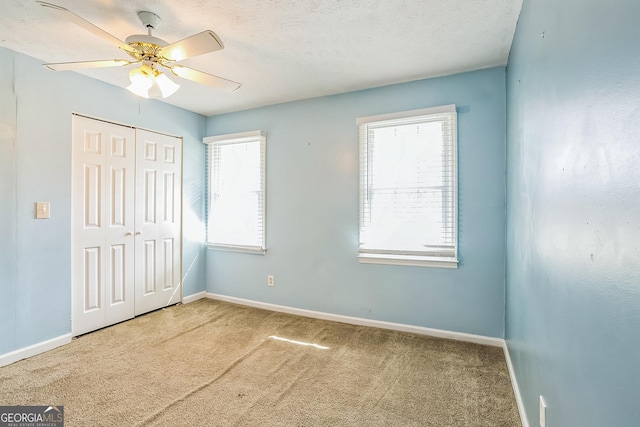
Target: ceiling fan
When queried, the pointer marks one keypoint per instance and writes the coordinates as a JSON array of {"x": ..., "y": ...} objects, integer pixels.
[{"x": 152, "y": 53}]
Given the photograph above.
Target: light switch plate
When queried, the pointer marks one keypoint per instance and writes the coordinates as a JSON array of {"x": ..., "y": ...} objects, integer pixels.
[{"x": 42, "y": 210}]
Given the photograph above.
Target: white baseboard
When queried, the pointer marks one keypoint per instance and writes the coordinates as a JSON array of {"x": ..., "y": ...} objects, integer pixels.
[
  {"x": 514, "y": 384},
  {"x": 194, "y": 297},
  {"x": 32, "y": 350},
  {"x": 459, "y": 336}
]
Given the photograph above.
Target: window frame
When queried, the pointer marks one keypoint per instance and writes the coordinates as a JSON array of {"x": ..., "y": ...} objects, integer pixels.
[
  {"x": 427, "y": 258},
  {"x": 237, "y": 138}
]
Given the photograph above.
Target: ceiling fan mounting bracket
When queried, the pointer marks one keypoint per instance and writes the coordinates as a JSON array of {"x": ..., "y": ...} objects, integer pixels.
[{"x": 149, "y": 19}]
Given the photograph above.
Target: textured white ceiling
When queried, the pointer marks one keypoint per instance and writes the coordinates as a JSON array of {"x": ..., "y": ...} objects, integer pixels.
[{"x": 280, "y": 50}]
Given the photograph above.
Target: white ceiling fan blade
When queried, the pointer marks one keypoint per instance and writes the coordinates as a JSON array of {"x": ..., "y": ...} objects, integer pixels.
[
  {"x": 205, "y": 78},
  {"x": 72, "y": 17},
  {"x": 63, "y": 66},
  {"x": 198, "y": 44}
]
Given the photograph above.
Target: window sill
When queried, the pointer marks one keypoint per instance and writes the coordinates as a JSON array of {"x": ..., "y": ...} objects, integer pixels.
[
  {"x": 241, "y": 249},
  {"x": 407, "y": 260}
]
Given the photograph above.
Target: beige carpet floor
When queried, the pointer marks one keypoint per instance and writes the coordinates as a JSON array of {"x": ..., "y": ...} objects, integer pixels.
[{"x": 211, "y": 363}]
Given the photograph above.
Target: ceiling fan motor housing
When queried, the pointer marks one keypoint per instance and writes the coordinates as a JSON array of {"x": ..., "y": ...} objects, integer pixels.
[{"x": 147, "y": 47}]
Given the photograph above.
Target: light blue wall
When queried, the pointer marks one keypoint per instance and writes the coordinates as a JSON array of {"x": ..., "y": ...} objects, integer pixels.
[
  {"x": 312, "y": 211},
  {"x": 35, "y": 165},
  {"x": 573, "y": 258}
]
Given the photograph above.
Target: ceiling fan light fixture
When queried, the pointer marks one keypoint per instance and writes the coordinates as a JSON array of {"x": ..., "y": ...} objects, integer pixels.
[
  {"x": 151, "y": 83},
  {"x": 165, "y": 85},
  {"x": 141, "y": 79}
]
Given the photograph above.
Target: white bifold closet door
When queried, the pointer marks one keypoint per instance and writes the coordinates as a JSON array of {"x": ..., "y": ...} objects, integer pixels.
[
  {"x": 126, "y": 198},
  {"x": 158, "y": 224}
]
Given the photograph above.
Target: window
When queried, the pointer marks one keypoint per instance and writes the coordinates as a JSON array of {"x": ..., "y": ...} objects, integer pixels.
[
  {"x": 236, "y": 208},
  {"x": 408, "y": 188}
]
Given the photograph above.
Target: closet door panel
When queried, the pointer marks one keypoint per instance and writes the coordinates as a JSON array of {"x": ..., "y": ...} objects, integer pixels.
[
  {"x": 158, "y": 220},
  {"x": 103, "y": 164},
  {"x": 121, "y": 161}
]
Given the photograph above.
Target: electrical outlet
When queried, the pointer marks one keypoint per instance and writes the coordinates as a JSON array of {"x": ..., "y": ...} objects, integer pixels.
[
  {"x": 271, "y": 281},
  {"x": 543, "y": 412}
]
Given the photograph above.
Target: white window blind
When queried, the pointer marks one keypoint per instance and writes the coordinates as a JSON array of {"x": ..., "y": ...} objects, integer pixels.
[
  {"x": 236, "y": 205},
  {"x": 408, "y": 188}
]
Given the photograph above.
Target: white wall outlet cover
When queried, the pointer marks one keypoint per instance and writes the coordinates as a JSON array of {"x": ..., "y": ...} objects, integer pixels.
[{"x": 543, "y": 412}]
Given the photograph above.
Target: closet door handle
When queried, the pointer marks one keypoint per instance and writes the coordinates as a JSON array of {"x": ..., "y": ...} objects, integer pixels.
[
  {"x": 128, "y": 234},
  {"x": 138, "y": 233}
]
